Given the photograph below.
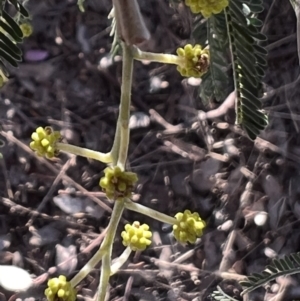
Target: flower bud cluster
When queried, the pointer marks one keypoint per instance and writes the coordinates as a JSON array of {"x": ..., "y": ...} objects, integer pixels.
[
  {"x": 44, "y": 140},
  {"x": 136, "y": 236},
  {"x": 195, "y": 60},
  {"x": 118, "y": 184},
  {"x": 189, "y": 226},
  {"x": 59, "y": 289},
  {"x": 206, "y": 7},
  {"x": 26, "y": 29}
]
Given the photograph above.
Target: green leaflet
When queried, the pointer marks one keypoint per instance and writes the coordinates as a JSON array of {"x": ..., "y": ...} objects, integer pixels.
[
  {"x": 200, "y": 30},
  {"x": 20, "y": 8},
  {"x": 13, "y": 47},
  {"x": 288, "y": 265},
  {"x": 13, "y": 55},
  {"x": 207, "y": 88},
  {"x": 10, "y": 31},
  {"x": 248, "y": 63},
  {"x": 10, "y": 34},
  {"x": 215, "y": 84},
  {"x": 238, "y": 30},
  {"x": 220, "y": 295},
  {"x": 255, "y": 22},
  {"x": 8, "y": 58},
  {"x": 14, "y": 26}
]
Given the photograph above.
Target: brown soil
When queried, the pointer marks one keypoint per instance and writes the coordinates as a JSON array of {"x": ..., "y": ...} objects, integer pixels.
[{"x": 75, "y": 88}]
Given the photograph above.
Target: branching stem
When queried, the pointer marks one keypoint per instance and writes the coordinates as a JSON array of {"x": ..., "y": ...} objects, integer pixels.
[
  {"x": 149, "y": 212},
  {"x": 120, "y": 261},
  {"x": 124, "y": 114},
  {"x": 156, "y": 57},
  {"x": 84, "y": 152},
  {"x": 88, "y": 267},
  {"x": 107, "y": 247}
]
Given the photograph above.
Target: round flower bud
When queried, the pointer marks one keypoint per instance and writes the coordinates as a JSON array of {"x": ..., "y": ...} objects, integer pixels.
[
  {"x": 189, "y": 226},
  {"x": 206, "y": 7},
  {"x": 136, "y": 236},
  {"x": 44, "y": 140},
  {"x": 116, "y": 183},
  {"x": 26, "y": 29},
  {"x": 59, "y": 289},
  {"x": 195, "y": 61}
]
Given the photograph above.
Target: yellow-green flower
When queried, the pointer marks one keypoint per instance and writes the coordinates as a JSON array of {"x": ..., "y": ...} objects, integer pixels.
[
  {"x": 26, "y": 29},
  {"x": 44, "y": 140},
  {"x": 59, "y": 289},
  {"x": 206, "y": 7},
  {"x": 118, "y": 184},
  {"x": 195, "y": 60},
  {"x": 189, "y": 226},
  {"x": 136, "y": 236}
]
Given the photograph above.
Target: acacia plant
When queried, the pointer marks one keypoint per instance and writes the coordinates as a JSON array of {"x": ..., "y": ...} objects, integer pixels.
[
  {"x": 234, "y": 39},
  {"x": 232, "y": 54}
]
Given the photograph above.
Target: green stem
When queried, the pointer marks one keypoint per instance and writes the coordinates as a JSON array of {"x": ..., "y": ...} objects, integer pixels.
[
  {"x": 149, "y": 212},
  {"x": 156, "y": 57},
  {"x": 84, "y": 152},
  {"x": 104, "y": 278},
  {"x": 113, "y": 224},
  {"x": 120, "y": 261},
  {"x": 88, "y": 267},
  {"x": 116, "y": 146},
  {"x": 105, "y": 246},
  {"x": 119, "y": 149},
  {"x": 124, "y": 113}
]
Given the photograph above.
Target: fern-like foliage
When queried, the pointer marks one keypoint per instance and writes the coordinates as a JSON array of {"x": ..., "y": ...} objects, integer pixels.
[
  {"x": 235, "y": 40},
  {"x": 216, "y": 82},
  {"x": 10, "y": 35},
  {"x": 18, "y": 6},
  {"x": 288, "y": 265},
  {"x": 220, "y": 295},
  {"x": 248, "y": 62}
]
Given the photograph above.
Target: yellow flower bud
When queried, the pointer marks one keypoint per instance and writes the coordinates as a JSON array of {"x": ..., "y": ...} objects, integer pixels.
[
  {"x": 206, "y": 7},
  {"x": 136, "y": 236},
  {"x": 60, "y": 289},
  {"x": 195, "y": 60},
  {"x": 189, "y": 226},
  {"x": 116, "y": 183},
  {"x": 26, "y": 29},
  {"x": 44, "y": 140}
]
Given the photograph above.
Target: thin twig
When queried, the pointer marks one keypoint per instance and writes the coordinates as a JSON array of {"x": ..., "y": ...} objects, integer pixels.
[
  {"x": 6, "y": 177},
  {"x": 15, "y": 208},
  {"x": 51, "y": 190},
  {"x": 53, "y": 169}
]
